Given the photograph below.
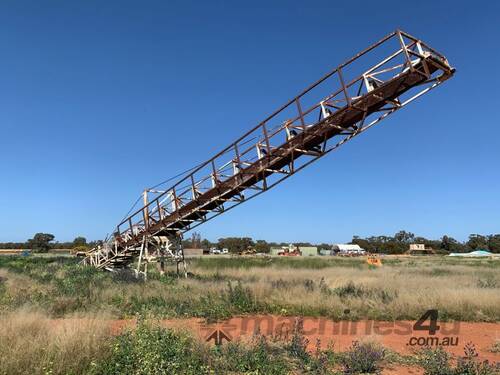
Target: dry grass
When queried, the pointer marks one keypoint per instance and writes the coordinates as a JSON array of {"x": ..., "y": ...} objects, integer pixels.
[
  {"x": 30, "y": 343},
  {"x": 391, "y": 292},
  {"x": 466, "y": 290}
]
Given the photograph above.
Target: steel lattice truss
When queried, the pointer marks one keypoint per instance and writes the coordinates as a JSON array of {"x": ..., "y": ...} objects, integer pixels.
[{"x": 353, "y": 97}]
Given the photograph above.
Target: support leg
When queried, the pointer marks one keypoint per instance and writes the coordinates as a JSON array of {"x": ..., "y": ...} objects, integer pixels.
[
  {"x": 161, "y": 262},
  {"x": 142, "y": 255},
  {"x": 179, "y": 256}
]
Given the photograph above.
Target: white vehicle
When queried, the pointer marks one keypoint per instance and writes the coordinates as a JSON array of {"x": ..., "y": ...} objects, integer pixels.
[
  {"x": 225, "y": 251},
  {"x": 214, "y": 251}
]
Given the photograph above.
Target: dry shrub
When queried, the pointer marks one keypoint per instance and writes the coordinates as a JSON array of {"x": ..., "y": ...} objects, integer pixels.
[{"x": 30, "y": 343}]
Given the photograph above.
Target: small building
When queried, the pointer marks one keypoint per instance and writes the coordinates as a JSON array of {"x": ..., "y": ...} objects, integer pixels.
[
  {"x": 348, "y": 249},
  {"x": 417, "y": 246},
  {"x": 420, "y": 249},
  {"x": 326, "y": 252},
  {"x": 306, "y": 251}
]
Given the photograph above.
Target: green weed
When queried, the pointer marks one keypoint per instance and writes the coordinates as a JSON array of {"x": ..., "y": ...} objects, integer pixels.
[
  {"x": 363, "y": 358},
  {"x": 153, "y": 350},
  {"x": 436, "y": 361}
]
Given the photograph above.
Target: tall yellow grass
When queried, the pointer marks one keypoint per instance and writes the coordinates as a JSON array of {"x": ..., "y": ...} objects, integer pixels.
[{"x": 30, "y": 343}]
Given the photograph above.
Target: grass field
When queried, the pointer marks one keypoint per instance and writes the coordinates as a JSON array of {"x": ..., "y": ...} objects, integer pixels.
[
  {"x": 461, "y": 289},
  {"x": 36, "y": 290}
]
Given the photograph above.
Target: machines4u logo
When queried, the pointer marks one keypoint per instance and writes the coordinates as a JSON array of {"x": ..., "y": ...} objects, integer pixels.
[{"x": 429, "y": 323}]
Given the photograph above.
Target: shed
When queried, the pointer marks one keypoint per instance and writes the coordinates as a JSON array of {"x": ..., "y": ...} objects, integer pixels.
[
  {"x": 308, "y": 250},
  {"x": 275, "y": 250}
]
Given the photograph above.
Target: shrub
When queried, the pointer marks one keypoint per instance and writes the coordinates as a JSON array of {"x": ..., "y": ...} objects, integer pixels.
[
  {"x": 309, "y": 285},
  {"x": 79, "y": 281},
  {"x": 318, "y": 363},
  {"x": 350, "y": 290},
  {"x": 212, "y": 308},
  {"x": 281, "y": 284},
  {"x": 363, "y": 358},
  {"x": 257, "y": 357},
  {"x": 153, "y": 350},
  {"x": 436, "y": 361},
  {"x": 495, "y": 348},
  {"x": 298, "y": 343},
  {"x": 323, "y": 360},
  {"x": 240, "y": 298},
  {"x": 470, "y": 365}
]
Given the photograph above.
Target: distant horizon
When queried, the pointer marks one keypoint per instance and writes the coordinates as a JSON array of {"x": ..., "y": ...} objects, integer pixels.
[{"x": 187, "y": 237}]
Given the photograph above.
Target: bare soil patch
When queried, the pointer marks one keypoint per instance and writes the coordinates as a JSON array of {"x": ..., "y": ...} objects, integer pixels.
[{"x": 395, "y": 336}]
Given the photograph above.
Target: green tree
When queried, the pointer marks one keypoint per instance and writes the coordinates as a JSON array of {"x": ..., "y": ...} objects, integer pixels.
[
  {"x": 477, "y": 241},
  {"x": 261, "y": 246},
  {"x": 446, "y": 242},
  {"x": 206, "y": 244},
  {"x": 40, "y": 242},
  {"x": 452, "y": 245},
  {"x": 365, "y": 244},
  {"x": 80, "y": 242},
  {"x": 235, "y": 244},
  {"x": 404, "y": 236},
  {"x": 494, "y": 243}
]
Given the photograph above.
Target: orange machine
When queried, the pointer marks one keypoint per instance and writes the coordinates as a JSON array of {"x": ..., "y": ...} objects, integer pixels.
[
  {"x": 374, "y": 260},
  {"x": 290, "y": 252}
]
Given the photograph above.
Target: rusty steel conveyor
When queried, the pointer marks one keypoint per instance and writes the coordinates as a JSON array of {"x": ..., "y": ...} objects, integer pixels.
[{"x": 346, "y": 102}]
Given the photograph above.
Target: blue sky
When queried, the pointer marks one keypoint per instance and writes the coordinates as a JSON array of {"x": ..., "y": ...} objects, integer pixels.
[{"x": 102, "y": 99}]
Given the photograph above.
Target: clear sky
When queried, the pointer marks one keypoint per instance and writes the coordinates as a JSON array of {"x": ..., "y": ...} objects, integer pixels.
[{"x": 100, "y": 99}]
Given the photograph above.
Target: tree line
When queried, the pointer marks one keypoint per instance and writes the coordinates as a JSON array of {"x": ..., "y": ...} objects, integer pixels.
[
  {"x": 239, "y": 244},
  {"x": 397, "y": 244},
  {"x": 400, "y": 242},
  {"x": 43, "y": 242}
]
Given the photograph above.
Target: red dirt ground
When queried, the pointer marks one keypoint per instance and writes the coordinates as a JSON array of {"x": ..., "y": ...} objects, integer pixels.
[{"x": 392, "y": 335}]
